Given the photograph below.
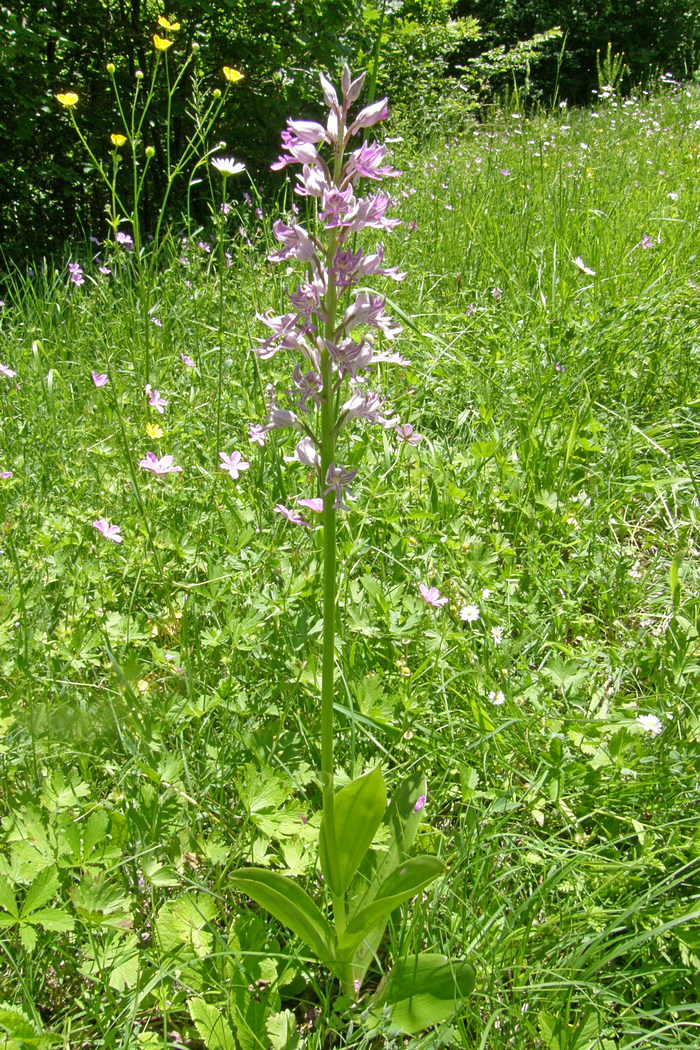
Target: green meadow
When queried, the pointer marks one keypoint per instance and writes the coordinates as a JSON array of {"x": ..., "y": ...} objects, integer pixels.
[{"x": 159, "y": 691}]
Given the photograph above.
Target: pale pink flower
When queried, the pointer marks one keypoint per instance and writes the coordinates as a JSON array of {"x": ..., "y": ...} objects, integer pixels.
[
  {"x": 110, "y": 532},
  {"x": 6, "y": 474},
  {"x": 164, "y": 465},
  {"x": 419, "y": 804},
  {"x": 100, "y": 378},
  {"x": 258, "y": 434},
  {"x": 432, "y": 596},
  {"x": 291, "y": 515},
  {"x": 234, "y": 463},
  {"x": 407, "y": 434},
  {"x": 186, "y": 360},
  {"x": 5, "y": 371},
  {"x": 315, "y": 504},
  {"x": 155, "y": 400}
]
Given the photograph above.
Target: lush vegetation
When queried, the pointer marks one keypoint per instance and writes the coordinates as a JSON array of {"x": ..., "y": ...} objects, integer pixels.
[
  {"x": 438, "y": 59},
  {"x": 160, "y": 714}
]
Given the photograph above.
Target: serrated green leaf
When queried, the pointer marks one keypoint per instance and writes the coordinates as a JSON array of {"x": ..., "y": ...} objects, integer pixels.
[
  {"x": 52, "y": 919},
  {"x": 282, "y": 1030},
  {"x": 7, "y": 899},
  {"x": 359, "y": 809},
  {"x": 19, "y": 1026},
  {"x": 292, "y": 905},
  {"x": 187, "y": 920},
  {"x": 403, "y": 883},
  {"x": 422, "y": 991},
  {"x": 211, "y": 1025},
  {"x": 42, "y": 890}
]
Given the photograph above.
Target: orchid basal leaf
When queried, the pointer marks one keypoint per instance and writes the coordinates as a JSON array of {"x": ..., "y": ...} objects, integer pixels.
[
  {"x": 289, "y": 903},
  {"x": 359, "y": 810},
  {"x": 403, "y": 883}
]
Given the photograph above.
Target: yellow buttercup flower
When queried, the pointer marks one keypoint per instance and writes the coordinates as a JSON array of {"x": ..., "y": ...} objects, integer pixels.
[
  {"x": 154, "y": 431},
  {"x": 68, "y": 100},
  {"x": 161, "y": 43},
  {"x": 165, "y": 24},
  {"x": 232, "y": 75},
  {"x": 118, "y": 140}
]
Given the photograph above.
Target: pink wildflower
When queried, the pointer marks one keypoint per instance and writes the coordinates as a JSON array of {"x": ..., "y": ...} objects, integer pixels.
[
  {"x": 233, "y": 463},
  {"x": 110, "y": 532},
  {"x": 291, "y": 515},
  {"x": 155, "y": 400},
  {"x": 164, "y": 465},
  {"x": 100, "y": 378},
  {"x": 432, "y": 596}
]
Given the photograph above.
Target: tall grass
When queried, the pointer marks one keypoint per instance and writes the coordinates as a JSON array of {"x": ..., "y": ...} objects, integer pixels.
[{"x": 159, "y": 695}]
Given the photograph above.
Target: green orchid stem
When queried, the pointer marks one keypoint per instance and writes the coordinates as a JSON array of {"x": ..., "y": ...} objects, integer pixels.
[{"x": 328, "y": 438}]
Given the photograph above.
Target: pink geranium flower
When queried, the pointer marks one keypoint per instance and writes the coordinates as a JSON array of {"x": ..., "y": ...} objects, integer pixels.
[
  {"x": 186, "y": 360},
  {"x": 432, "y": 596},
  {"x": 110, "y": 532},
  {"x": 5, "y": 371},
  {"x": 291, "y": 515},
  {"x": 100, "y": 378},
  {"x": 407, "y": 434},
  {"x": 6, "y": 474},
  {"x": 233, "y": 463},
  {"x": 315, "y": 504},
  {"x": 164, "y": 465},
  {"x": 155, "y": 400}
]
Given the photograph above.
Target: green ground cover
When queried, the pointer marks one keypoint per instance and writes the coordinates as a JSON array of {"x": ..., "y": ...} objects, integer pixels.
[{"x": 159, "y": 712}]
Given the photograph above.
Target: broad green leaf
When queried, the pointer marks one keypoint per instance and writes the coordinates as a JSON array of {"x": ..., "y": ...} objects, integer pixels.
[
  {"x": 211, "y": 1025},
  {"x": 42, "y": 890},
  {"x": 423, "y": 990},
  {"x": 402, "y": 821},
  {"x": 291, "y": 905},
  {"x": 359, "y": 809},
  {"x": 403, "y": 883}
]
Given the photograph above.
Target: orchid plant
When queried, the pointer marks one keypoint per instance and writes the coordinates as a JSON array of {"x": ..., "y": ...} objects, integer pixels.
[{"x": 331, "y": 388}]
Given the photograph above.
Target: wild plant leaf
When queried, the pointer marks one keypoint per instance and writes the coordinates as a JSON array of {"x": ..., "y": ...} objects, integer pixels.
[
  {"x": 359, "y": 809},
  {"x": 292, "y": 905},
  {"x": 19, "y": 1027},
  {"x": 282, "y": 1031},
  {"x": 403, "y": 883},
  {"x": 402, "y": 820},
  {"x": 7, "y": 899},
  {"x": 100, "y": 903},
  {"x": 52, "y": 919},
  {"x": 187, "y": 921},
  {"x": 117, "y": 958},
  {"x": 42, "y": 890},
  {"x": 421, "y": 991},
  {"x": 212, "y": 1026}
]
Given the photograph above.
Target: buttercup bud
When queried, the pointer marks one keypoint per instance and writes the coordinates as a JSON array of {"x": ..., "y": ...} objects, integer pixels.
[
  {"x": 139, "y": 74},
  {"x": 150, "y": 152},
  {"x": 217, "y": 93},
  {"x": 111, "y": 68}
]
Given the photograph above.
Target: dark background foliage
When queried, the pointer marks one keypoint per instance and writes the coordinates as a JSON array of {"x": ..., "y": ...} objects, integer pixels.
[{"x": 49, "y": 192}]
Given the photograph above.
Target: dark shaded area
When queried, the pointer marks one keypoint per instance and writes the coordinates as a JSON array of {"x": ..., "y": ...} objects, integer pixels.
[
  {"x": 49, "y": 190},
  {"x": 657, "y": 36}
]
